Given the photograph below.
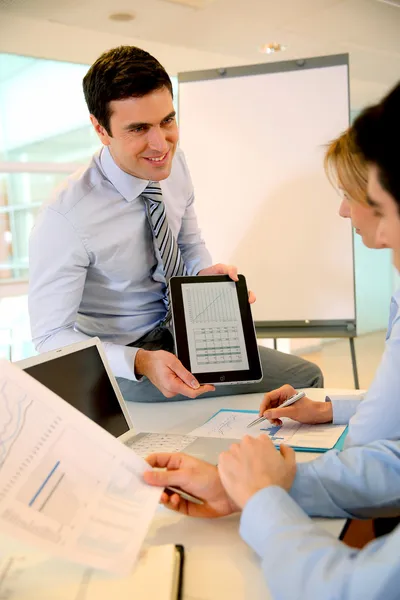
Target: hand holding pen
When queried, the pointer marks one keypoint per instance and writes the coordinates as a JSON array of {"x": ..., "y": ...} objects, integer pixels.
[
  {"x": 291, "y": 400},
  {"x": 301, "y": 409}
]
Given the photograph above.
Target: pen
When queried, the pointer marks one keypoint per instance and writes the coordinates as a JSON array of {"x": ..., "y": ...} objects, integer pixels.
[
  {"x": 177, "y": 490},
  {"x": 288, "y": 402},
  {"x": 183, "y": 495}
]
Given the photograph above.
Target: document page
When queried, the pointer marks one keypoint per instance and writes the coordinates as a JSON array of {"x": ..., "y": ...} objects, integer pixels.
[
  {"x": 232, "y": 424},
  {"x": 66, "y": 484},
  {"x": 214, "y": 327}
]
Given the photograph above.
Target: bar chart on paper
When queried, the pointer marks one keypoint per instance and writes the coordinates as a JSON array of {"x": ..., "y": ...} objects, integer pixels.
[
  {"x": 65, "y": 484},
  {"x": 214, "y": 328}
]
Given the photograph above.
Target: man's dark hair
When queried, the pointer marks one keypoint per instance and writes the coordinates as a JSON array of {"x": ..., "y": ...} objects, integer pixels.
[
  {"x": 377, "y": 135},
  {"x": 120, "y": 73}
]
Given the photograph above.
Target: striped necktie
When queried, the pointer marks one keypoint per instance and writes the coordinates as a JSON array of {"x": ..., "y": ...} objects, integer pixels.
[{"x": 172, "y": 261}]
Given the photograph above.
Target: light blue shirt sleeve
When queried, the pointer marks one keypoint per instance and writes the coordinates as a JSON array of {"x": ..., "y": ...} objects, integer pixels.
[
  {"x": 358, "y": 482},
  {"x": 343, "y": 407},
  {"x": 56, "y": 287},
  {"x": 300, "y": 560},
  {"x": 378, "y": 415}
]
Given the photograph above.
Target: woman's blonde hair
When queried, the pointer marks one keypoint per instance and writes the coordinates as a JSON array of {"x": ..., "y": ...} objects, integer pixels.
[{"x": 345, "y": 168}]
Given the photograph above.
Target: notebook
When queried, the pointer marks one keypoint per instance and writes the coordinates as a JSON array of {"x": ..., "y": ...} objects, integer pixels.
[{"x": 28, "y": 575}]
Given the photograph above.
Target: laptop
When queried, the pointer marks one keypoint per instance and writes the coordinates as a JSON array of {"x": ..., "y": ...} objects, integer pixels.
[{"x": 80, "y": 375}]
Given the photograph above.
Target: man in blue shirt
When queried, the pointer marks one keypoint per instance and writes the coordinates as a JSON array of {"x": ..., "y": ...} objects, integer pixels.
[
  {"x": 103, "y": 250},
  {"x": 300, "y": 560}
]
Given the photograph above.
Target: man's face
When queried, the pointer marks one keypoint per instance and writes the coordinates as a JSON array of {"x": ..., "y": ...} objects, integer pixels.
[
  {"x": 144, "y": 134},
  {"x": 386, "y": 209}
]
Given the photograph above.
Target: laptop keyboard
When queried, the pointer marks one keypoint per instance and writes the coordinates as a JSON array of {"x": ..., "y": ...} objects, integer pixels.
[{"x": 159, "y": 442}]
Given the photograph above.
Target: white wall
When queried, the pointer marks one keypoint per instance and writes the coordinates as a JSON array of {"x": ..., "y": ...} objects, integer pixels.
[{"x": 374, "y": 287}]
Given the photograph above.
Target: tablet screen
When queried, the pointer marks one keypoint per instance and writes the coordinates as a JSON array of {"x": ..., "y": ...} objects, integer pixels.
[{"x": 214, "y": 327}]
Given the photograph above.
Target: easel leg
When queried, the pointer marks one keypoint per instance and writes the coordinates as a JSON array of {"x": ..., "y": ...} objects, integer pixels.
[
  {"x": 354, "y": 363},
  {"x": 275, "y": 344}
]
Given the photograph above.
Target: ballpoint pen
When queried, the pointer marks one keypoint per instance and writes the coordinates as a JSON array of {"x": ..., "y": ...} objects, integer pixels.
[
  {"x": 288, "y": 402},
  {"x": 174, "y": 490}
]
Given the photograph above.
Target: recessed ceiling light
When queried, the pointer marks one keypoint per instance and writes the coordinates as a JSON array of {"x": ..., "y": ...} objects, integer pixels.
[
  {"x": 272, "y": 47},
  {"x": 122, "y": 17}
]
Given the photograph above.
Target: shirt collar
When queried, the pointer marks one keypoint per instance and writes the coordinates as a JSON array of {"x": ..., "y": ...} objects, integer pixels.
[{"x": 128, "y": 186}]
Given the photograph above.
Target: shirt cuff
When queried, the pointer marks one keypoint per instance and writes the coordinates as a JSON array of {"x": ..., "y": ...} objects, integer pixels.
[
  {"x": 343, "y": 408},
  {"x": 267, "y": 510},
  {"x": 303, "y": 488},
  {"x": 122, "y": 360}
]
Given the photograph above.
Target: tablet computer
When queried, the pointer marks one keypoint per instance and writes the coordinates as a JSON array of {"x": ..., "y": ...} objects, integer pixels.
[{"x": 214, "y": 330}]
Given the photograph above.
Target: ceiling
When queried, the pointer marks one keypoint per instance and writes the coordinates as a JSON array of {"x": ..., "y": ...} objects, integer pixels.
[{"x": 368, "y": 29}]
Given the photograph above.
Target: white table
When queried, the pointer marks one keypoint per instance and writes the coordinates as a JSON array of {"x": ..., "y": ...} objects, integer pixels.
[{"x": 218, "y": 565}]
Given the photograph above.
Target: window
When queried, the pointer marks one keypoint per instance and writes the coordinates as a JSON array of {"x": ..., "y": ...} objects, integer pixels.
[{"x": 45, "y": 134}]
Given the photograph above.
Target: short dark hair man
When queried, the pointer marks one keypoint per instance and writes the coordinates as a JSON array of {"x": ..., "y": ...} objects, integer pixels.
[{"x": 103, "y": 249}]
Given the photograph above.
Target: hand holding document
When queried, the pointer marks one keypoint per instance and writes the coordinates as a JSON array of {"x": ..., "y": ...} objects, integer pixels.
[{"x": 67, "y": 485}]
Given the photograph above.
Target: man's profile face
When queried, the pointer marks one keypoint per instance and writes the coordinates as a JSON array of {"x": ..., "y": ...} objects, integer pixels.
[
  {"x": 387, "y": 210},
  {"x": 144, "y": 134}
]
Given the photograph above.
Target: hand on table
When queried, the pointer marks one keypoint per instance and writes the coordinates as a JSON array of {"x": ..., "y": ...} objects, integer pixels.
[
  {"x": 303, "y": 411},
  {"x": 253, "y": 465},
  {"x": 194, "y": 476},
  {"x": 231, "y": 270},
  {"x": 168, "y": 374}
]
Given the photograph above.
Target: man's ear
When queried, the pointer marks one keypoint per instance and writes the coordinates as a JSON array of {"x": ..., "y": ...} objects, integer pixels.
[{"x": 104, "y": 137}]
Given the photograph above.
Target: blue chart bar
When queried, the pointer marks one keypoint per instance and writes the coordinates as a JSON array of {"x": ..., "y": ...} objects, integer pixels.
[
  {"x": 272, "y": 430},
  {"x": 44, "y": 483}
]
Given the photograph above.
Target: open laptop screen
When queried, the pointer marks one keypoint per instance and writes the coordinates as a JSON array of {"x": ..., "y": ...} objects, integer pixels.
[{"x": 81, "y": 379}]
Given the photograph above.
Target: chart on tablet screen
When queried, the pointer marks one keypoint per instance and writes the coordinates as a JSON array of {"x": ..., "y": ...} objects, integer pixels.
[{"x": 214, "y": 327}]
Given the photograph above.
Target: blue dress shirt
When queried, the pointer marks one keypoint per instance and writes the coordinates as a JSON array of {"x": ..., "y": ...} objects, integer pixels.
[
  {"x": 93, "y": 265},
  {"x": 376, "y": 415},
  {"x": 302, "y": 561}
]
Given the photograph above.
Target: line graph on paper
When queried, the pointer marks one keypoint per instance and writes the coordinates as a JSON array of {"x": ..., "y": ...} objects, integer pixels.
[{"x": 13, "y": 411}]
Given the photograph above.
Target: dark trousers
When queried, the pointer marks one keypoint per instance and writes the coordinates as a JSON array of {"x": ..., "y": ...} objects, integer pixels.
[{"x": 278, "y": 368}]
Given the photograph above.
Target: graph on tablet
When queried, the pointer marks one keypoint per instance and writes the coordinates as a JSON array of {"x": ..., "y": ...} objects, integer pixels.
[{"x": 214, "y": 327}]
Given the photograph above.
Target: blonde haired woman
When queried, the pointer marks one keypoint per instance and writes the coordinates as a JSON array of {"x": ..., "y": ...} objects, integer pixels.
[
  {"x": 347, "y": 171},
  {"x": 377, "y": 416}
]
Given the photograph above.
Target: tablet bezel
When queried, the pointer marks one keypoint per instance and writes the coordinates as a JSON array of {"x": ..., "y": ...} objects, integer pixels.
[{"x": 254, "y": 373}]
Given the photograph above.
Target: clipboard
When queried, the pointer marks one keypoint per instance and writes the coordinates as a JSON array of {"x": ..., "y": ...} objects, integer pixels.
[{"x": 231, "y": 424}]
